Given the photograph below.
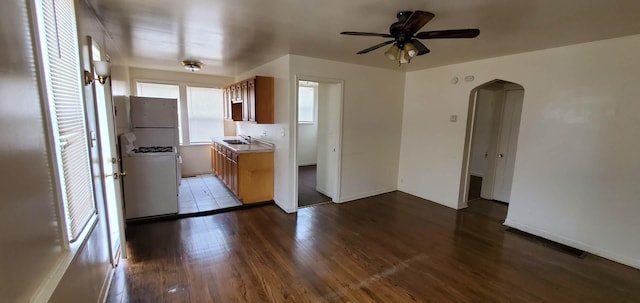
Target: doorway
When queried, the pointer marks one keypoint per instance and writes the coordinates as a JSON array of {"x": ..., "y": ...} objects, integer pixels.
[
  {"x": 318, "y": 132},
  {"x": 109, "y": 159},
  {"x": 491, "y": 145}
]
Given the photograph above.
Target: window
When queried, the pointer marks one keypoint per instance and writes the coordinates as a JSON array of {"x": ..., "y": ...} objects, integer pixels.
[
  {"x": 66, "y": 109},
  {"x": 156, "y": 90},
  {"x": 307, "y": 92},
  {"x": 205, "y": 113},
  {"x": 199, "y": 109}
]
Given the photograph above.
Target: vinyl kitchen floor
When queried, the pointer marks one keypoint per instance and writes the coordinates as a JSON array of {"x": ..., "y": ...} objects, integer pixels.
[{"x": 204, "y": 193}]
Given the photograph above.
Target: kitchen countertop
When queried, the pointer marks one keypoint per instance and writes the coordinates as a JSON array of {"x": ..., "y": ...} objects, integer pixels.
[{"x": 256, "y": 146}]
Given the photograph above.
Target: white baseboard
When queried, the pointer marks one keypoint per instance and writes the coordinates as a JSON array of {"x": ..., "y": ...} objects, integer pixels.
[
  {"x": 476, "y": 174},
  {"x": 575, "y": 244},
  {"x": 286, "y": 210},
  {"x": 453, "y": 206},
  {"x": 106, "y": 285},
  {"x": 307, "y": 164},
  {"x": 324, "y": 192},
  {"x": 365, "y": 195}
]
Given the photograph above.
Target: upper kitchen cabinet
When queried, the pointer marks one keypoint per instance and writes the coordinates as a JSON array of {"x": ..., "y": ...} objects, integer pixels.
[{"x": 251, "y": 100}]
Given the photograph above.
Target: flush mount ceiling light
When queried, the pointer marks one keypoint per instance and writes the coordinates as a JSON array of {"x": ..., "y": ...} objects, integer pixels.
[
  {"x": 404, "y": 32},
  {"x": 192, "y": 65}
]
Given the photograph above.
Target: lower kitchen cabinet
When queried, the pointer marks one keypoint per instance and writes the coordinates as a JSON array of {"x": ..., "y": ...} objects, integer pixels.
[{"x": 248, "y": 175}]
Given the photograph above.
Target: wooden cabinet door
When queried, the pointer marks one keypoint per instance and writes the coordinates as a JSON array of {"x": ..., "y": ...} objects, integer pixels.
[
  {"x": 251, "y": 100},
  {"x": 213, "y": 159},
  {"x": 226, "y": 103},
  {"x": 244, "y": 93},
  {"x": 234, "y": 177},
  {"x": 238, "y": 90},
  {"x": 233, "y": 94}
]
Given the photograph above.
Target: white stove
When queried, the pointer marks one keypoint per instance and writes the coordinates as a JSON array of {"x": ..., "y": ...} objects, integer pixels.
[
  {"x": 152, "y": 180},
  {"x": 154, "y": 149}
]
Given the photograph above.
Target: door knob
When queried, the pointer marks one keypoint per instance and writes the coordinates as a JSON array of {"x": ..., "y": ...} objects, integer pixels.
[
  {"x": 116, "y": 175},
  {"x": 500, "y": 156}
]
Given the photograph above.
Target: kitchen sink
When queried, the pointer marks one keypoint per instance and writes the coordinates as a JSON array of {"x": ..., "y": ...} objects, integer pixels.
[{"x": 233, "y": 141}]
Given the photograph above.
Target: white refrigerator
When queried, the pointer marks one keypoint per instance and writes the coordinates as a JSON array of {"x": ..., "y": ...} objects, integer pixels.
[
  {"x": 154, "y": 121},
  {"x": 150, "y": 158}
]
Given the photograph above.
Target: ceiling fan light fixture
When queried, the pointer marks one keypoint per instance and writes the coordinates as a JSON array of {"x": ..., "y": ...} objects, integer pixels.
[
  {"x": 404, "y": 57},
  {"x": 192, "y": 65},
  {"x": 410, "y": 49},
  {"x": 393, "y": 52}
]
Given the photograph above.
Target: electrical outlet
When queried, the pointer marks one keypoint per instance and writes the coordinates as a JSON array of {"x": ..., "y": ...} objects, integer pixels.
[
  {"x": 453, "y": 118},
  {"x": 264, "y": 133}
]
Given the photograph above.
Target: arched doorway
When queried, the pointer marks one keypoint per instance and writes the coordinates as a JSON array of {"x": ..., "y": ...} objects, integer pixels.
[{"x": 493, "y": 125}]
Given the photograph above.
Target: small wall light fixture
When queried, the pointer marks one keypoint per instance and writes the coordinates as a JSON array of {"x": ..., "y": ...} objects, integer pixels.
[{"x": 102, "y": 70}]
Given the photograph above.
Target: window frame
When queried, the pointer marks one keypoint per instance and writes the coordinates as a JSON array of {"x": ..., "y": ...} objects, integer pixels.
[
  {"x": 314, "y": 108},
  {"x": 189, "y": 110},
  {"x": 182, "y": 103}
]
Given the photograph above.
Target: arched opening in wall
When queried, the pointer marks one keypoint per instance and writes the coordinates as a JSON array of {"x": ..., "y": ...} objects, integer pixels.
[{"x": 491, "y": 140}]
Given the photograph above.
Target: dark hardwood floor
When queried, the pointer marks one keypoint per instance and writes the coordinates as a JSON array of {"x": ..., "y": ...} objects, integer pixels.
[
  {"x": 388, "y": 248},
  {"x": 475, "y": 187},
  {"x": 493, "y": 210},
  {"x": 307, "y": 194}
]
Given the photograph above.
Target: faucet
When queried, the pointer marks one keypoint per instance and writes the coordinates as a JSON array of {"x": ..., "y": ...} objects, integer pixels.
[{"x": 248, "y": 138}]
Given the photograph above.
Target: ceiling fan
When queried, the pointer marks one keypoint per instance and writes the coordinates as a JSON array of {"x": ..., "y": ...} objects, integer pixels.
[{"x": 404, "y": 33}]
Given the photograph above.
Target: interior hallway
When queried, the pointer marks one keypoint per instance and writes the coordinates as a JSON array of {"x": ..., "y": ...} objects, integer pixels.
[{"x": 393, "y": 247}]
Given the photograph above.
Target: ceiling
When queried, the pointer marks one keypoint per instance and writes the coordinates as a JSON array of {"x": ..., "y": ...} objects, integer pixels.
[{"x": 233, "y": 36}]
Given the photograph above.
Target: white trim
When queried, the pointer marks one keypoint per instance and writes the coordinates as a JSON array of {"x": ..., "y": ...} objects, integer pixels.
[
  {"x": 286, "y": 210},
  {"x": 307, "y": 163},
  {"x": 324, "y": 192},
  {"x": 293, "y": 141},
  {"x": 106, "y": 285},
  {"x": 575, "y": 244},
  {"x": 367, "y": 194}
]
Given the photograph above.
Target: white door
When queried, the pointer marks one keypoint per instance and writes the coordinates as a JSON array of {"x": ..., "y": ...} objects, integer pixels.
[
  {"x": 328, "y": 138},
  {"x": 507, "y": 143},
  {"x": 109, "y": 162}
]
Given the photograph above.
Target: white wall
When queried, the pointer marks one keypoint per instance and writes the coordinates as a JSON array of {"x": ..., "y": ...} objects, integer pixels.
[
  {"x": 196, "y": 159},
  {"x": 371, "y": 123},
  {"x": 30, "y": 242},
  {"x": 577, "y": 170},
  {"x": 307, "y": 143},
  {"x": 372, "y": 114},
  {"x": 277, "y": 133},
  {"x": 121, "y": 91}
]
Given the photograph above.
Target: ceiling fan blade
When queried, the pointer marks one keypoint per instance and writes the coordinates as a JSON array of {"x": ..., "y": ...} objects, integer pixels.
[
  {"x": 422, "y": 49},
  {"x": 366, "y": 34},
  {"x": 416, "y": 21},
  {"x": 377, "y": 46},
  {"x": 447, "y": 34}
]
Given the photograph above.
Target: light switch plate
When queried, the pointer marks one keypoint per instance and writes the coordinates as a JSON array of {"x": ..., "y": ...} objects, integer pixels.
[{"x": 453, "y": 118}]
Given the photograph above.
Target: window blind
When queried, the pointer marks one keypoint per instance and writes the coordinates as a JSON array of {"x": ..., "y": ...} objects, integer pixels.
[
  {"x": 205, "y": 113},
  {"x": 67, "y": 113}
]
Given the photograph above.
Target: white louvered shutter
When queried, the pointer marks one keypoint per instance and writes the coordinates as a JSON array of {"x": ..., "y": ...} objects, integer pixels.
[{"x": 67, "y": 113}]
